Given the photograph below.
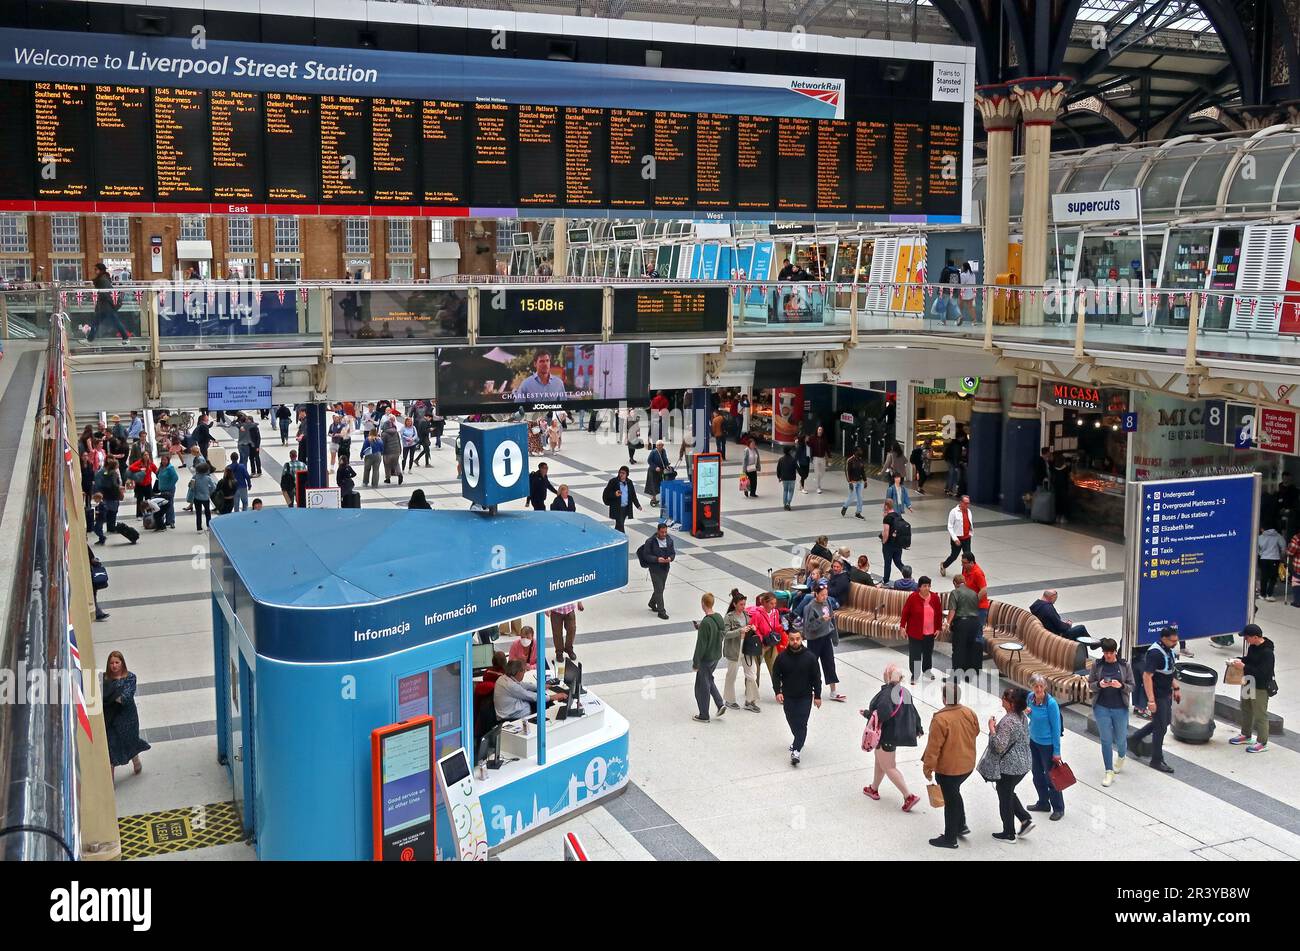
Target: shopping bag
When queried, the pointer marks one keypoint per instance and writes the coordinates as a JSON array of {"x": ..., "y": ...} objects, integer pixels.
[
  {"x": 744, "y": 483},
  {"x": 1232, "y": 675},
  {"x": 935, "y": 794},
  {"x": 1062, "y": 776},
  {"x": 1042, "y": 508}
]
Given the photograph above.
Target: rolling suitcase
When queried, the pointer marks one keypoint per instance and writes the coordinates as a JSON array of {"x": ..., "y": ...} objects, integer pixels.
[
  {"x": 127, "y": 532},
  {"x": 1043, "y": 507},
  {"x": 352, "y": 500}
]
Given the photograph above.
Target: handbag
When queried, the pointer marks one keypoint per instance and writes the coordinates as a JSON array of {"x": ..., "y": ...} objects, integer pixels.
[
  {"x": 871, "y": 733},
  {"x": 99, "y": 577},
  {"x": 669, "y": 474},
  {"x": 1062, "y": 776},
  {"x": 990, "y": 765},
  {"x": 935, "y": 794}
]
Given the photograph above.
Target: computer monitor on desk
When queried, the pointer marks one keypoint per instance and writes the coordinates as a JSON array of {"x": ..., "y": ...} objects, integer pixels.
[
  {"x": 573, "y": 690},
  {"x": 481, "y": 657}
]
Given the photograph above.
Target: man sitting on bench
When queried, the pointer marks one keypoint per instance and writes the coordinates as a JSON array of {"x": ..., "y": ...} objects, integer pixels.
[{"x": 1045, "y": 610}]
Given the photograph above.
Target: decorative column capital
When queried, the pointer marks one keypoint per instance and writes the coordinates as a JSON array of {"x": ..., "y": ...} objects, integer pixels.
[
  {"x": 997, "y": 107},
  {"x": 1040, "y": 97}
]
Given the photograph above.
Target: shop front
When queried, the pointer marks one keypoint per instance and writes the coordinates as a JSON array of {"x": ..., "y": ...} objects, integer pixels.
[
  {"x": 938, "y": 409},
  {"x": 1083, "y": 428}
]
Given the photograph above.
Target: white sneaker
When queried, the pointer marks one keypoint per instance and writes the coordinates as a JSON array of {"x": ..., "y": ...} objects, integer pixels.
[
  {"x": 1119, "y": 765},
  {"x": 819, "y": 491},
  {"x": 804, "y": 491},
  {"x": 1108, "y": 778}
]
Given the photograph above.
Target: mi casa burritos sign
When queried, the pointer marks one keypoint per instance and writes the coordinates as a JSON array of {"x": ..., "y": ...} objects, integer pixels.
[{"x": 1072, "y": 395}]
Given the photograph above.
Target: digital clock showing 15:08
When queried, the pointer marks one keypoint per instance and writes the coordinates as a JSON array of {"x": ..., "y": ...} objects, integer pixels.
[{"x": 543, "y": 305}]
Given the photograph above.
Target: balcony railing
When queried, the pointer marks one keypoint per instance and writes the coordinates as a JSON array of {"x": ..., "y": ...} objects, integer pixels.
[{"x": 174, "y": 318}]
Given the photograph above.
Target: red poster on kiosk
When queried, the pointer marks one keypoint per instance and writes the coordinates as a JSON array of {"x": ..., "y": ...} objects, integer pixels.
[
  {"x": 402, "y": 791},
  {"x": 787, "y": 414}
]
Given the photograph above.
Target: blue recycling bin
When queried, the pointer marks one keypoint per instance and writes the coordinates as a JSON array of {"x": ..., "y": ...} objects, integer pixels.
[{"x": 675, "y": 497}]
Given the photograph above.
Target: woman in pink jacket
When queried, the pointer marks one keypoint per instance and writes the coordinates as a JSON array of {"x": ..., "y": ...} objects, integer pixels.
[
  {"x": 766, "y": 618},
  {"x": 525, "y": 647}
]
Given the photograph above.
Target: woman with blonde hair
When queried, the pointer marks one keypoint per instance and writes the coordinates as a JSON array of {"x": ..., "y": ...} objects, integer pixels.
[
  {"x": 900, "y": 725},
  {"x": 121, "y": 720}
]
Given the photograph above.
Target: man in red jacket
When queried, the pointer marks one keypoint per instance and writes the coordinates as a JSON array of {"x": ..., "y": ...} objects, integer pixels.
[{"x": 920, "y": 624}]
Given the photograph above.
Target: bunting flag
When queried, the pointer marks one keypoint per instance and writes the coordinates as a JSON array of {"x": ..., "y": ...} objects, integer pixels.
[
  {"x": 1205, "y": 300},
  {"x": 77, "y": 684},
  {"x": 81, "y": 298},
  {"x": 1277, "y": 309},
  {"x": 63, "y": 300},
  {"x": 280, "y": 294},
  {"x": 117, "y": 298}
]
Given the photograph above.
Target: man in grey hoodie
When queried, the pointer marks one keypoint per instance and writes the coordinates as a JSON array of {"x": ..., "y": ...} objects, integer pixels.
[{"x": 820, "y": 636}]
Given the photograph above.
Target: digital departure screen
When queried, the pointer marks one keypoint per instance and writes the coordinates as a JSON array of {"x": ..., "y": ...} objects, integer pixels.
[
  {"x": 291, "y": 147},
  {"x": 540, "y": 312},
  {"x": 236, "y": 117},
  {"x": 661, "y": 310},
  {"x": 181, "y": 137},
  {"x": 123, "y": 146},
  {"x": 395, "y": 151},
  {"x": 586, "y": 141},
  {"x": 892, "y": 155},
  {"x": 63, "y": 141},
  {"x": 345, "y": 159},
  {"x": 16, "y": 140},
  {"x": 442, "y": 137}
]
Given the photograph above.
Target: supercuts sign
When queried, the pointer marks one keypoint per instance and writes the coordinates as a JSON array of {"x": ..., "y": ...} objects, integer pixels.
[{"x": 1073, "y": 396}]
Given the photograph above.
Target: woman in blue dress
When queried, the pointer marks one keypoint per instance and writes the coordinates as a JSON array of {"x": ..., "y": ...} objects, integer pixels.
[{"x": 121, "y": 720}]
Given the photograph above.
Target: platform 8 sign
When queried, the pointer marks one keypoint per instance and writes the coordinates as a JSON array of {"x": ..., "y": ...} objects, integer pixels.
[{"x": 1195, "y": 559}]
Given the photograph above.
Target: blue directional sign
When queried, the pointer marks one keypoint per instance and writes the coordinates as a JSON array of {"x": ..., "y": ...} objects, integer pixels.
[{"x": 1196, "y": 560}]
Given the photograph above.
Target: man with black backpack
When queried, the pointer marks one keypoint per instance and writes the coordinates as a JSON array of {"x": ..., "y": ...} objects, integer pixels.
[{"x": 895, "y": 537}]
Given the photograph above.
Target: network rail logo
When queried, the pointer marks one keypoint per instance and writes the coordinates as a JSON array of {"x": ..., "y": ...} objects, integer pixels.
[{"x": 827, "y": 91}]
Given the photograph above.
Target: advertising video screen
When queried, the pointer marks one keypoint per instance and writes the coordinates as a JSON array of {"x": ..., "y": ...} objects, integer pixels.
[
  {"x": 384, "y": 315},
  {"x": 507, "y": 379}
]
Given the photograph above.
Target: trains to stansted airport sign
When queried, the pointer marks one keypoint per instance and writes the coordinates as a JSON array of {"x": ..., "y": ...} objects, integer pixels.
[{"x": 140, "y": 123}]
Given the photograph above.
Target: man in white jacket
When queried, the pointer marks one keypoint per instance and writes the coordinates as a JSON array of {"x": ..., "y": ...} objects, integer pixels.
[{"x": 961, "y": 526}]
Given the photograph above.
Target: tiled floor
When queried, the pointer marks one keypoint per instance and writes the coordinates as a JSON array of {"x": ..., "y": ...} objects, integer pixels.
[{"x": 725, "y": 790}]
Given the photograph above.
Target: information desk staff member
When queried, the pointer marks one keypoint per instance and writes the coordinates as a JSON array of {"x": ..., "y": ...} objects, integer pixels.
[{"x": 513, "y": 700}]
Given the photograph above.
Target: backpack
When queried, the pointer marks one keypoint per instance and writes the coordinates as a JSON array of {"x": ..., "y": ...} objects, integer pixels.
[
  {"x": 902, "y": 532},
  {"x": 286, "y": 480}
]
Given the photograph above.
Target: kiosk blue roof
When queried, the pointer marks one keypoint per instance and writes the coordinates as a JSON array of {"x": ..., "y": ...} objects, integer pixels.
[{"x": 405, "y": 577}]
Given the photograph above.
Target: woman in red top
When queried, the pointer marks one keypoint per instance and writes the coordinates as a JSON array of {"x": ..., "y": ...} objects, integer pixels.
[
  {"x": 921, "y": 622},
  {"x": 143, "y": 470},
  {"x": 766, "y": 618}
]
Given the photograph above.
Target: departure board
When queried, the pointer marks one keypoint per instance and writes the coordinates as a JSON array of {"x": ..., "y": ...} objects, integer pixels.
[
  {"x": 943, "y": 188},
  {"x": 901, "y": 152},
  {"x": 344, "y": 149},
  {"x": 395, "y": 151},
  {"x": 755, "y": 163},
  {"x": 291, "y": 147},
  {"x": 123, "y": 144},
  {"x": 181, "y": 137},
  {"x": 631, "y": 173},
  {"x": 796, "y": 164},
  {"x": 540, "y": 134},
  {"x": 674, "y": 160},
  {"x": 834, "y": 165},
  {"x": 236, "y": 118},
  {"x": 15, "y": 141},
  {"x": 586, "y": 142},
  {"x": 491, "y": 151},
  {"x": 63, "y": 140},
  {"x": 660, "y": 310},
  {"x": 871, "y": 166},
  {"x": 715, "y": 160},
  {"x": 910, "y": 167},
  {"x": 442, "y": 138}
]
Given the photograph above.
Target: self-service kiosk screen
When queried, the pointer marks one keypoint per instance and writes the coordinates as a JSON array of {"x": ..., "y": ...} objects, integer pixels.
[
  {"x": 707, "y": 473},
  {"x": 407, "y": 778}
]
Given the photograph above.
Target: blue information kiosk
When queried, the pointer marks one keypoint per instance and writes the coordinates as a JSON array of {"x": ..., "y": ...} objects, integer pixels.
[{"x": 328, "y": 624}]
